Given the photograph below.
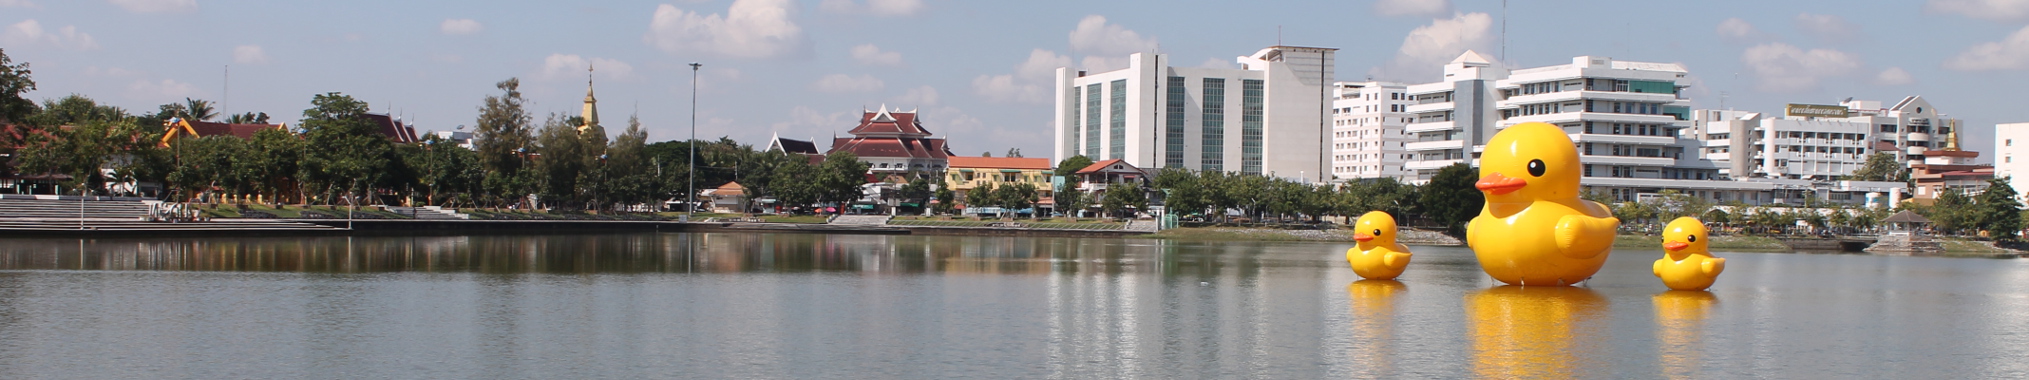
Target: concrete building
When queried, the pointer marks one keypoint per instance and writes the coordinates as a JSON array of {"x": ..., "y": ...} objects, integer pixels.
[
  {"x": 2011, "y": 140},
  {"x": 1812, "y": 141},
  {"x": 460, "y": 137},
  {"x": 1454, "y": 117},
  {"x": 1268, "y": 117},
  {"x": 1367, "y": 130}
]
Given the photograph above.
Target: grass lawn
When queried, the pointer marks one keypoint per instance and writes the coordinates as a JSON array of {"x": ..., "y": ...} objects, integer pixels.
[
  {"x": 804, "y": 219},
  {"x": 1971, "y": 248},
  {"x": 1026, "y": 223}
]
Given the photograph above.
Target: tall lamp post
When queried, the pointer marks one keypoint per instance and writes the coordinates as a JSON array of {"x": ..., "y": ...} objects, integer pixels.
[{"x": 690, "y": 183}]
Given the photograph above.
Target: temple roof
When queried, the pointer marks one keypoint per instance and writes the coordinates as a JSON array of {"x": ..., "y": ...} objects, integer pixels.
[
  {"x": 394, "y": 130},
  {"x": 179, "y": 128},
  {"x": 891, "y": 147},
  {"x": 886, "y": 122}
]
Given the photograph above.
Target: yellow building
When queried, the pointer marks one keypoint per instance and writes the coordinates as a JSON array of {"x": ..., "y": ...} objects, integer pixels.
[{"x": 967, "y": 173}]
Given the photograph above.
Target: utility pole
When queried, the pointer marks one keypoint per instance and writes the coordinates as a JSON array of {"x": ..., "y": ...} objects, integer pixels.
[{"x": 690, "y": 184}]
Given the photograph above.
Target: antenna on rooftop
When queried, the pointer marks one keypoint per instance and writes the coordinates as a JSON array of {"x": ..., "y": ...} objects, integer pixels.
[{"x": 1504, "y": 33}]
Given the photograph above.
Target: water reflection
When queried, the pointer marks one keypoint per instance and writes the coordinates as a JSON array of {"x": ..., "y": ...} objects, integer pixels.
[
  {"x": 1680, "y": 331},
  {"x": 1552, "y": 332},
  {"x": 1374, "y": 324}
]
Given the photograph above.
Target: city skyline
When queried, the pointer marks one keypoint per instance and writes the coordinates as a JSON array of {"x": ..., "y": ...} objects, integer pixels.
[{"x": 980, "y": 74}]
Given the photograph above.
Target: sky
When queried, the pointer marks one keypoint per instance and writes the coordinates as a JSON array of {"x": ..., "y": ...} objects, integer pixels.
[{"x": 978, "y": 72}]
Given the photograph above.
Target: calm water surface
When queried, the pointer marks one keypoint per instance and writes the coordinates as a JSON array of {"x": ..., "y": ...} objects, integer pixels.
[{"x": 842, "y": 306}]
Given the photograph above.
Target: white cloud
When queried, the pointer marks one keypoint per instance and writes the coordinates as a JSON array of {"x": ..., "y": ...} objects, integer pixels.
[
  {"x": 868, "y": 54},
  {"x": 460, "y": 26},
  {"x": 163, "y": 91},
  {"x": 30, "y": 32},
  {"x": 749, "y": 29},
  {"x": 1004, "y": 89},
  {"x": 802, "y": 120},
  {"x": 1028, "y": 84},
  {"x": 1095, "y": 36},
  {"x": 848, "y": 83},
  {"x": 1100, "y": 64},
  {"x": 152, "y": 6},
  {"x": 1738, "y": 30},
  {"x": 1893, "y": 76},
  {"x": 249, "y": 54},
  {"x": 1785, "y": 68},
  {"x": 2008, "y": 54},
  {"x": 1998, "y": 10},
  {"x": 1215, "y": 63},
  {"x": 1425, "y": 51},
  {"x": 875, "y": 7},
  {"x": 573, "y": 66},
  {"x": 917, "y": 97},
  {"x": 19, "y": 4},
  {"x": 1412, "y": 7},
  {"x": 1828, "y": 28}
]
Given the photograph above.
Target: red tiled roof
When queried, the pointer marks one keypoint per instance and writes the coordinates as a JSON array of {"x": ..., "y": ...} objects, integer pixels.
[
  {"x": 891, "y": 147},
  {"x": 244, "y": 131},
  {"x": 999, "y": 163},
  {"x": 901, "y": 122},
  {"x": 394, "y": 130},
  {"x": 1101, "y": 165}
]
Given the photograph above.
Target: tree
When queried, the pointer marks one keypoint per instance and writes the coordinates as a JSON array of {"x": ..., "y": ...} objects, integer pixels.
[
  {"x": 1953, "y": 211},
  {"x": 1069, "y": 200},
  {"x": 917, "y": 191},
  {"x": 982, "y": 196},
  {"x": 839, "y": 178},
  {"x": 628, "y": 175},
  {"x": 349, "y": 155},
  {"x": 78, "y": 152},
  {"x": 1123, "y": 199},
  {"x": 1451, "y": 199},
  {"x": 1880, "y": 167},
  {"x": 502, "y": 138},
  {"x": 1070, "y": 166},
  {"x": 563, "y": 163},
  {"x": 274, "y": 160},
  {"x": 946, "y": 199},
  {"x": 14, "y": 82},
  {"x": 1183, "y": 193},
  {"x": 1013, "y": 152},
  {"x": 247, "y": 118},
  {"x": 1999, "y": 212}
]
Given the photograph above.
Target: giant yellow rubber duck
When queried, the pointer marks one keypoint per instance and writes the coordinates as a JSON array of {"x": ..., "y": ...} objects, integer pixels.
[
  {"x": 1687, "y": 264},
  {"x": 1377, "y": 256},
  {"x": 1534, "y": 230}
]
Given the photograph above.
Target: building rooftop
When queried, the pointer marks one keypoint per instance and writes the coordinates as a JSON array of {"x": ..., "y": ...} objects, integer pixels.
[{"x": 999, "y": 163}]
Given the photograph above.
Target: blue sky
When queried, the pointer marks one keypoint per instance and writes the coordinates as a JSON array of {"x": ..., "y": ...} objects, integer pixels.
[{"x": 976, "y": 70}]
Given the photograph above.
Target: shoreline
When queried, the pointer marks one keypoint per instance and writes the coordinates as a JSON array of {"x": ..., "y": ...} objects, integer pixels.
[{"x": 1732, "y": 243}]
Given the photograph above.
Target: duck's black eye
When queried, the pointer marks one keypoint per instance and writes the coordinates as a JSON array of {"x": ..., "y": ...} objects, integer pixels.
[
  {"x": 1377, "y": 232},
  {"x": 1693, "y": 238},
  {"x": 1536, "y": 168}
]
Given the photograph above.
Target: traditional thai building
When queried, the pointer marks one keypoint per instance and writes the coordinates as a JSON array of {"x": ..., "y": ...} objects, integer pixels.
[{"x": 895, "y": 146}]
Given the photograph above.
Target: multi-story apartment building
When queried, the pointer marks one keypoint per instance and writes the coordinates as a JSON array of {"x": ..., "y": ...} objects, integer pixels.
[
  {"x": 2012, "y": 140},
  {"x": 1367, "y": 130},
  {"x": 1269, "y": 117},
  {"x": 1454, "y": 117},
  {"x": 1821, "y": 142}
]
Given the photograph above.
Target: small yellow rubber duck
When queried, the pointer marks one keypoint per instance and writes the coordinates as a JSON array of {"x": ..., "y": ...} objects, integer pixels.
[
  {"x": 1534, "y": 230},
  {"x": 1687, "y": 263},
  {"x": 1377, "y": 256}
]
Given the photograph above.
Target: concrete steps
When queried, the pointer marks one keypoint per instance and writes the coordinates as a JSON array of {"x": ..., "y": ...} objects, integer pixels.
[
  {"x": 861, "y": 220},
  {"x": 11, "y": 207},
  {"x": 97, "y": 224},
  {"x": 428, "y": 213}
]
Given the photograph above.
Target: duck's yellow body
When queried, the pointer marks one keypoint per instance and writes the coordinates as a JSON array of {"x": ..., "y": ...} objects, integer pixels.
[
  {"x": 1534, "y": 230},
  {"x": 1377, "y": 256},
  {"x": 1687, "y": 263}
]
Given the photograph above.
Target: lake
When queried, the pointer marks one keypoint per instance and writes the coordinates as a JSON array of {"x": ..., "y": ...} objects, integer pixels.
[{"x": 679, "y": 305}]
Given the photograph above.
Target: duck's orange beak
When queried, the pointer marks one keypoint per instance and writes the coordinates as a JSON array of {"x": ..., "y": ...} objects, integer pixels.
[
  {"x": 1675, "y": 245},
  {"x": 1500, "y": 184},
  {"x": 1362, "y": 236}
]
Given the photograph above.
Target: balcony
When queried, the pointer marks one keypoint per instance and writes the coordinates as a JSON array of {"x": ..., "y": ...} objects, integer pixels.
[
  {"x": 1434, "y": 126},
  {"x": 1429, "y": 164},
  {"x": 1597, "y": 116},
  {"x": 1625, "y": 139},
  {"x": 1433, "y": 145},
  {"x": 1627, "y": 160},
  {"x": 1430, "y": 107}
]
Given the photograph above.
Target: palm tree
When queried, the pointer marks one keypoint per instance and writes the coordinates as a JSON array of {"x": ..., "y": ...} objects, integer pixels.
[{"x": 198, "y": 109}]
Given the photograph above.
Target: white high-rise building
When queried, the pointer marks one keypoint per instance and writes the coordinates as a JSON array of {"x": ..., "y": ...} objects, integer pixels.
[
  {"x": 1367, "y": 130},
  {"x": 1270, "y": 117},
  {"x": 1453, "y": 118},
  {"x": 2011, "y": 140},
  {"x": 1822, "y": 142}
]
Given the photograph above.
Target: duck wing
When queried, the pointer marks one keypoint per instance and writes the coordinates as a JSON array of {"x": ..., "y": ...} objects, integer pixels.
[
  {"x": 1582, "y": 237},
  {"x": 1713, "y": 266}
]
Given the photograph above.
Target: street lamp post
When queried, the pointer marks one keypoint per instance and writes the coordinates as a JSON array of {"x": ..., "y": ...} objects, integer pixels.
[{"x": 690, "y": 183}]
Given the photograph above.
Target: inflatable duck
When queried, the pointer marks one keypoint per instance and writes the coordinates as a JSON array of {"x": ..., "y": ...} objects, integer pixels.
[
  {"x": 1534, "y": 230},
  {"x": 1378, "y": 256},
  {"x": 1687, "y": 264}
]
